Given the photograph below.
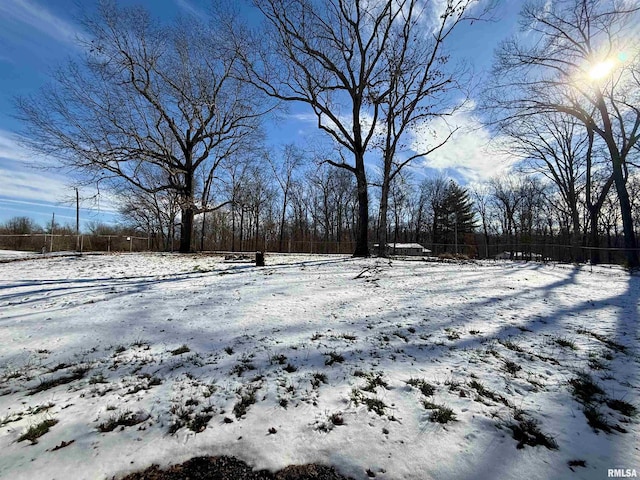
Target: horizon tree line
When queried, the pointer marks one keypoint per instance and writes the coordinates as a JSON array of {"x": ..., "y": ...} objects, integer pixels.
[{"x": 169, "y": 115}]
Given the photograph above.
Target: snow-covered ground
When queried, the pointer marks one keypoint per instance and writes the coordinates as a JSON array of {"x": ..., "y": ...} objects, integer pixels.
[
  {"x": 6, "y": 255},
  {"x": 393, "y": 369}
]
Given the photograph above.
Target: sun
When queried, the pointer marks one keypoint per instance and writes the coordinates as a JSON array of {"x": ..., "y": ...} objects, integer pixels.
[{"x": 601, "y": 70}]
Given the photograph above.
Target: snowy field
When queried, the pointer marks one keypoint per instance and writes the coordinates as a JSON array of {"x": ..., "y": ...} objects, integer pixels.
[{"x": 386, "y": 369}]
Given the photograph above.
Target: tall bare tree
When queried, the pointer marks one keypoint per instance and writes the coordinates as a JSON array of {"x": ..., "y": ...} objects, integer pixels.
[
  {"x": 330, "y": 56},
  {"x": 284, "y": 172},
  {"x": 580, "y": 58},
  {"x": 557, "y": 147},
  {"x": 419, "y": 87},
  {"x": 148, "y": 101}
]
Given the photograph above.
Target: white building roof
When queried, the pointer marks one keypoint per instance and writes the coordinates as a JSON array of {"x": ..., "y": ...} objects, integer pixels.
[{"x": 405, "y": 246}]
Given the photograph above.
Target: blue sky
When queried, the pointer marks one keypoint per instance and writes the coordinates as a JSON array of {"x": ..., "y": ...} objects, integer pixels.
[{"x": 38, "y": 35}]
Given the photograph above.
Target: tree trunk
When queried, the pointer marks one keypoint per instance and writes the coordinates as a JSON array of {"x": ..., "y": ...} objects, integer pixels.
[
  {"x": 576, "y": 237},
  {"x": 362, "y": 239},
  {"x": 382, "y": 226},
  {"x": 627, "y": 218},
  {"x": 233, "y": 227},
  {"x": 204, "y": 217},
  {"x": 282, "y": 220},
  {"x": 186, "y": 228}
]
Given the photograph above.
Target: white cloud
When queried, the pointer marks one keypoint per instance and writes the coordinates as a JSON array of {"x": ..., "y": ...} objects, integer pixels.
[
  {"x": 37, "y": 16},
  {"x": 470, "y": 151},
  {"x": 21, "y": 180},
  {"x": 9, "y": 147},
  {"x": 190, "y": 8}
]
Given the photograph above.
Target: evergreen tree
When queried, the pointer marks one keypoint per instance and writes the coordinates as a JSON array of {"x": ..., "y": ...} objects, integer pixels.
[{"x": 453, "y": 217}]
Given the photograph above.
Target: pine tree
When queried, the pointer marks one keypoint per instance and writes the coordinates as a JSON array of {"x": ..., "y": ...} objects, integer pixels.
[{"x": 453, "y": 217}]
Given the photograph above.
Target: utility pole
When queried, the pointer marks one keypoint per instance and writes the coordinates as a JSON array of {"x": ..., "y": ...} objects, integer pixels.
[
  {"x": 77, "y": 220},
  {"x": 53, "y": 222}
]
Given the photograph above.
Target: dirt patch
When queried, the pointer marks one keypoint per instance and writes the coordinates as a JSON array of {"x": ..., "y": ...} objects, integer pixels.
[{"x": 230, "y": 468}]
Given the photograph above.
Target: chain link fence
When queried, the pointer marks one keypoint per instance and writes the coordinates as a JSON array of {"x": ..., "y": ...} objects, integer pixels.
[
  {"x": 540, "y": 252},
  {"x": 48, "y": 243}
]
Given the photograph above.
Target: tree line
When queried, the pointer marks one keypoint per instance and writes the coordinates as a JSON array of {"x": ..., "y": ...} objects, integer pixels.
[{"x": 171, "y": 116}]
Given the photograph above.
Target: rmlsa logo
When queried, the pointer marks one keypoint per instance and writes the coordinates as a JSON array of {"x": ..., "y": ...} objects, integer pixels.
[{"x": 622, "y": 473}]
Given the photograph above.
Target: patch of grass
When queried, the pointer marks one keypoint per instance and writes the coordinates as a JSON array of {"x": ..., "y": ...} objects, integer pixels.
[
  {"x": 596, "y": 419},
  {"x": 425, "y": 388},
  {"x": 563, "y": 342},
  {"x": 146, "y": 381},
  {"x": 199, "y": 422},
  {"x": 349, "y": 337},
  {"x": 279, "y": 359},
  {"x": 316, "y": 336},
  {"x": 124, "y": 419},
  {"x": 97, "y": 378},
  {"x": 40, "y": 408},
  {"x": 452, "y": 334},
  {"x": 510, "y": 367},
  {"x": 595, "y": 364},
  {"x": 334, "y": 420},
  {"x": 244, "y": 366},
  {"x": 36, "y": 431},
  {"x": 453, "y": 385},
  {"x": 181, "y": 416},
  {"x": 247, "y": 398},
  {"x": 487, "y": 393},
  {"x": 440, "y": 413},
  {"x": 373, "y": 404},
  {"x": 511, "y": 345},
  {"x": 228, "y": 350},
  {"x": 76, "y": 374},
  {"x": 209, "y": 390},
  {"x": 527, "y": 432},
  {"x": 374, "y": 380},
  {"x": 604, "y": 339},
  {"x": 141, "y": 344},
  {"x": 584, "y": 388},
  {"x": 180, "y": 350},
  {"x": 120, "y": 349},
  {"x": 625, "y": 408},
  {"x": 59, "y": 366},
  {"x": 290, "y": 368},
  {"x": 576, "y": 463},
  {"x": 334, "y": 357},
  {"x": 401, "y": 335},
  {"x": 317, "y": 379}
]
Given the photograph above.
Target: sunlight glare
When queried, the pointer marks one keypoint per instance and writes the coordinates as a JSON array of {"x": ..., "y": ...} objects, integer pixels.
[{"x": 601, "y": 70}]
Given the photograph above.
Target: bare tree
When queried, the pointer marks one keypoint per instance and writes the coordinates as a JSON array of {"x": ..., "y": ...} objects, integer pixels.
[
  {"x": 148, "y": 100},
  {"x": 557, "y": 147},
  {"x": 418, "y": 88},
  {"x": 155, "y": 213},
  {"x": 284, "y": 171},
  {"x": 330, "y": 56},
  {"x": 482, "y": 201},
  {"x": 579, "y": 59},
  {"x": 507, "y": 193}
]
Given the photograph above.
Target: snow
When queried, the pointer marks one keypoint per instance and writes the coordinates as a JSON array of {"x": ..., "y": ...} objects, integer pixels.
[{"x": 89, "y": 339}]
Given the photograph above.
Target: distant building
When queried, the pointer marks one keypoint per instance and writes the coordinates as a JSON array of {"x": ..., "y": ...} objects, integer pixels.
[
  {"x": 518, "y": 256},
  {"x": 406, "y": 249}
]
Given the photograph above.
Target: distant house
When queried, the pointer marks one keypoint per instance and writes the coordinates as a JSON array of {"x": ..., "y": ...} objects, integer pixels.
[
  {"x": 519, "y": 256},
  {"x": 406, "y": 249}
]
